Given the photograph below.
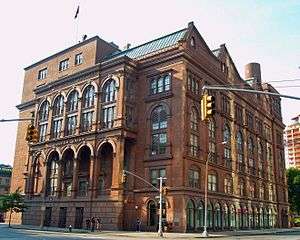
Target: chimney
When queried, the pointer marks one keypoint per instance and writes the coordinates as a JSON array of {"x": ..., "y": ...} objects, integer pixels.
[{"x": 252, "y": 70}]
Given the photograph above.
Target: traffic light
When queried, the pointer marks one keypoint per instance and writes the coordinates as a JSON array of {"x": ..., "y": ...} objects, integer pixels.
[
  {"x": 32, "y": 135},
  {"x": 124, "y": 177},
  {"x": 207, "y": 106}
]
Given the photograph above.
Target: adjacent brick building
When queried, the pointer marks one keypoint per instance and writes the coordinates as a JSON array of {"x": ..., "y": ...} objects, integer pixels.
[
  {"x": 5, "y": 177},
  {"x": 100, "y": 110},
  {"x": 292, "y": 135}
]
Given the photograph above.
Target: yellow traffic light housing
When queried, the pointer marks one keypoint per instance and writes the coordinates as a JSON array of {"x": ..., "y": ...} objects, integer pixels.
[
  {"x": 32, "y": 135},
  {"x": 124, "y": 177},
  {"x": 207, "y": 107}
]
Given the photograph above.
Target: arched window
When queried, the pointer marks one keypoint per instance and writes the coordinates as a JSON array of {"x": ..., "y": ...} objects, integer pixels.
[
  {"x": 72, "y": 108},
  {"x": 199, "y": 215},
  {"x": 218, "y": 216},
  {"x": 240, "y": 151},
  {"x": 109, "y": 91},
  {"x": 72, "y": 103},
  {"x": 212, "y": 140},
  {"x": 251, "y": 156},
  {"x": 190, "y": 212},
  {"x": 43, "y": 120},
  {"x": 88, "y": 96},
  {"x": 109, "y": 103},
  {"x": 159, "y": 126},
  {"x": 194, "y": 133},
  {"x": 232, "y": 217},
  {"x": 227, "y": 146},
  {"x": 226, "y": 222},
  {"x": 151, "y": 212},
  {"x": 57, "y": 116},
  {"x": 52, "y": 175},
  {"x": 209, "y": 215},
  {"x": 252, "y": 190},
  {"x": 87, "y": 111}
]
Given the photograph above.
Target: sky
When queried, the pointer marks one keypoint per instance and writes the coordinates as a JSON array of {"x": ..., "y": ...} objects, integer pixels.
[{"x": 265, "y": 31}]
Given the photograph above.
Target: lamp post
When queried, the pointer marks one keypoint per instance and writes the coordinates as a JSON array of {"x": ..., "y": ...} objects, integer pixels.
[{"x": 205, "y": 233}]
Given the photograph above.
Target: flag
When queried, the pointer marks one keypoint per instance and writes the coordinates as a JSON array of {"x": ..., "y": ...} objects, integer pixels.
[{"x": 77, "y": 12}]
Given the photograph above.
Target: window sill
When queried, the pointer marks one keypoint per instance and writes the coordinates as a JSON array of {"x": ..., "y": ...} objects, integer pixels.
[{"x": 159, "y": 96}]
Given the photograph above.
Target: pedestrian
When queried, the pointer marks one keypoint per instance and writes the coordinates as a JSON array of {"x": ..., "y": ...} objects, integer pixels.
[
  {"x": 99, "y": 224},
  {"x": 88, "y": 223},
  {"x": 70, "y": 228},
  {"x": 138, "y": 225},
  {"x": 93, "y": 224}
]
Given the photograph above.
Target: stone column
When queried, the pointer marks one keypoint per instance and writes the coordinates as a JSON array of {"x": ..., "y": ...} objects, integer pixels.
[
  {"x": 44, "y": 179},
  {"x": 75, "y": 177},
  {"x": 92, "y": 171},
  {"x": 119, "y": 120},
  {"x": 118, "y": 164},
  {"x": 96, "y": 111},
  {"x": 48, "y": 133},
  {"x": 78, "y": 116}
]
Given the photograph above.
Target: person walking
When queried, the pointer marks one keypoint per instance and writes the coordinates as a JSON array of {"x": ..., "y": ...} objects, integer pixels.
[
  {"x": 138, "y": 225},
  {"x": 88, "y": 223},
  {"x": 93, "y": 224},
  {"x": 98, "y": 224}
]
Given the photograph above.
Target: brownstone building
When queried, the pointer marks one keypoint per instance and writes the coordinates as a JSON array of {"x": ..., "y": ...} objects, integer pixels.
[{"x": 100, "y": 110}]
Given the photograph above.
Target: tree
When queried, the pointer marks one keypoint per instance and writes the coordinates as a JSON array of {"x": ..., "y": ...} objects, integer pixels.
[
  {"x": 293, "y": 179},
  {"x": 12, "y": 202}
]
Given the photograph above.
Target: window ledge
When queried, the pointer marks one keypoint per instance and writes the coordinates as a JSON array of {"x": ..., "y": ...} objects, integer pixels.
[{"x": 158, "y": 96}]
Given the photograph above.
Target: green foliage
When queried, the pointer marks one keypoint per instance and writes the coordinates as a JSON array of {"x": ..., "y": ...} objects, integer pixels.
[
  {"x": 293, "y": 179},
  {"x": 12, "y": 202}
]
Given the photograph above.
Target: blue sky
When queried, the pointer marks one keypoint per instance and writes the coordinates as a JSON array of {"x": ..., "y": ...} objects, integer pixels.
[{"x": 267, "y": 32}]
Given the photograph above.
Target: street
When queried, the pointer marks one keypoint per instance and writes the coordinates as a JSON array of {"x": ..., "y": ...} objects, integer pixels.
[{"x": 24, "y": 234}]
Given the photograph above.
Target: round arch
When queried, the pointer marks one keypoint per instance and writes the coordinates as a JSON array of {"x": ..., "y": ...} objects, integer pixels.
[
  {"x": 105, "y": 141},
  {"x": 74, "y": 89},
  {"x": 155, "y": 105},
  {"x": 72, "y": 148},
  {"x": 108, "y": 78},
  {"x": 91, "y": 83},
  {"x": 87, "y": 145}
]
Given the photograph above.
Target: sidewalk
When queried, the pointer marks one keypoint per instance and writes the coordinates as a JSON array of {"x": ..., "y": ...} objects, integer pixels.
[{"x": 153, "y": 235}]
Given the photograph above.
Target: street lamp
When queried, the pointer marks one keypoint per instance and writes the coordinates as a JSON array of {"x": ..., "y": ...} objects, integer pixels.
[{"x": 205, "y": 233}]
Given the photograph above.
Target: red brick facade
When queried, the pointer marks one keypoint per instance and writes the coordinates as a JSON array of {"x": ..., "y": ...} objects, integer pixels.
[{"x": 139, "y": 110}]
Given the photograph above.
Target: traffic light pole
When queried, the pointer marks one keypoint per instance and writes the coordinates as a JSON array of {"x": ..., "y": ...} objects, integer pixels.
[
  {"x": 160, "y": 190},
  {"x": 16, "y": 119}
]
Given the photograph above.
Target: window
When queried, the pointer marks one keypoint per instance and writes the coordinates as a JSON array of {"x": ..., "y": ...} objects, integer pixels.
[
  {"x": 241, "y": 187},
  {"x": 227, "y": 146},
  {"x": 71, "y": 125},
  {"x": 260, "y": 157},
  {"x": 64, "y": 64},
  {"x": 88, "y": 97},
  {"x": 194, "y": 120},
  {"x": 271, "y": 193},
  {"x": 155, "y": 174},
  {"x": 108, "y": 116},
  {"x": 43, "y": 120},
  {"x": 240, "y": 151},
  {"x": 43, "y": 74},
  {"x": 250, "y": 120},
  {"x": 57, "y": 116},
  {"x": 159, "y": 126},
  {"x": 193, "y": 176},
  {"x": 212, "y": 182},
  {"x": 72, "y": 108},
  {"x": 259, "y": 127},
  {"x": 251, "y": 156},
  {"x": 239, "y": 114},
  {"x": 261, "y": 192},
  {"x": 225, "y": 105},
  {"x": 87, "y": 120},
  {"x": 160, "y": 84},
  {"x": 228, "y": 185},
  {"x": 68, "y": 189},
  {"x": 52, "y": 177},
  {"x": 193, "y": 145},
  {"x": 109, "y": 91},
  {"x": 193, "y": 84},
  {"x": 212, "y": 141},
  {"x": 78, "y": 59},
  {"x": 252, "y": 190},
  {"x": 88, "y": 103},
  {"x": 82, "y": 188}
]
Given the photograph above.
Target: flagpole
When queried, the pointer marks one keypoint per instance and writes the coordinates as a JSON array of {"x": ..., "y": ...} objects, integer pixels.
[{"x": 76, "y": 17}]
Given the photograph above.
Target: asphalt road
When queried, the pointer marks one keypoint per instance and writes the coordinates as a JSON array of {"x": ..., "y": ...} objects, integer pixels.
[{"x": 22, "y": 234}]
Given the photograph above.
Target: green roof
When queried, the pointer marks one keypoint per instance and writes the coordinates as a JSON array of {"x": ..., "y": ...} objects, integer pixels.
[{"x": 152, "y": 46}]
